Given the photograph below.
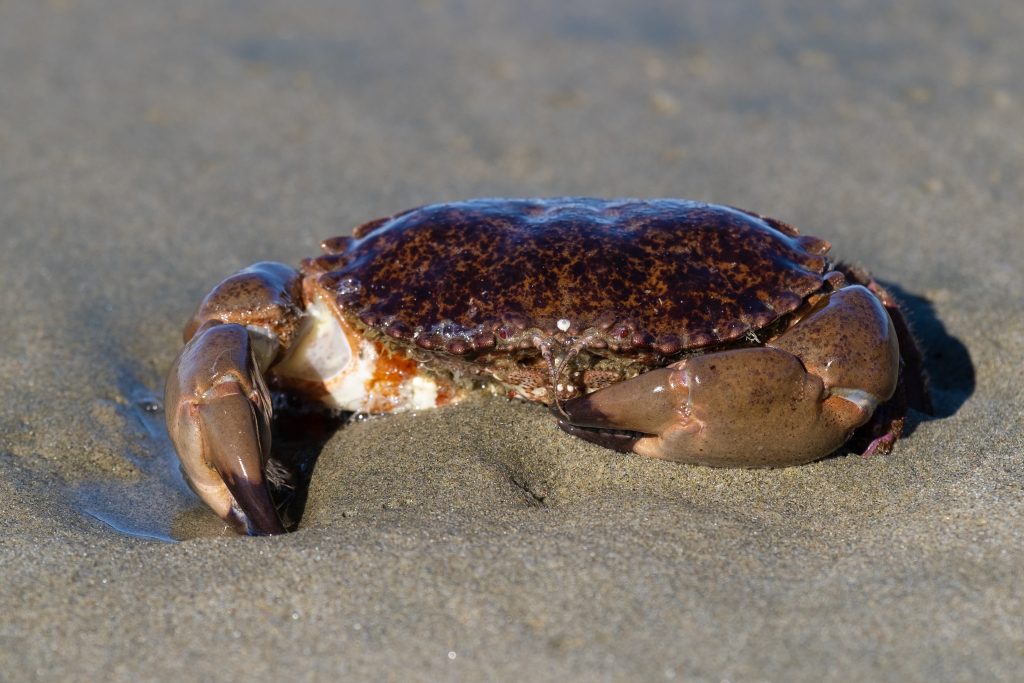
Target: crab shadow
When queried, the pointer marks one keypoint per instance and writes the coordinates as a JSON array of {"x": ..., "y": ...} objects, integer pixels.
[
  {"x": 298, "y": 438},
  {"x": 947, "y": 361}
]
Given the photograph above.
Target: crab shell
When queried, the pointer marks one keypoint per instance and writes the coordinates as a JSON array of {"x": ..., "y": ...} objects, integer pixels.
[
  {"x": 668, "y": 328},
  {"x": 508, "y": 288}
]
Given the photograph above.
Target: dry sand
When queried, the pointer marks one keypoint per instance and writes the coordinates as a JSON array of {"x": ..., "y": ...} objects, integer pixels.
[{"x": 147, "y": 149}]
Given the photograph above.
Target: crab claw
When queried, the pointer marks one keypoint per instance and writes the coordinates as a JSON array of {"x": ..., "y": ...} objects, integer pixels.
[
  {"x": 618, "y": 416},
  {"x": 218, "y": 416},
  {"x": 792, "y": 401},
  {"x": 745, "y": 407}
]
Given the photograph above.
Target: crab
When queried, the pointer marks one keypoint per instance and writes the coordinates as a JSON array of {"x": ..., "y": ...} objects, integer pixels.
[{"x": 667, "y": 328}]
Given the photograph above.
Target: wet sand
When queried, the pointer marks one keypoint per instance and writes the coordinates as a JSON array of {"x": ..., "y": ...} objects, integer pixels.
[{"x": 148, "y": 149}]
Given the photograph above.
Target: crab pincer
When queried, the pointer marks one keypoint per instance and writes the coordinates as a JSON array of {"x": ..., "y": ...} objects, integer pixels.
[
  {"x": 219, "y": 407},
  {"x": 795, "y": 399}
]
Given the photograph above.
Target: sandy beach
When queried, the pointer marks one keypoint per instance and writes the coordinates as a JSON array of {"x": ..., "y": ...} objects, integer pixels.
[{"x": 149, "y": 149}]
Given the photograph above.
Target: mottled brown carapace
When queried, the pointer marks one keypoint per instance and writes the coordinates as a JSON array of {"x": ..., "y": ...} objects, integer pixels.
[{"x": 660, "y": 276}]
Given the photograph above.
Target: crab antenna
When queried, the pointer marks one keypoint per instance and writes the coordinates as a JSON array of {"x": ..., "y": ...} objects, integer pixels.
[{"x": 544, "y": 344}]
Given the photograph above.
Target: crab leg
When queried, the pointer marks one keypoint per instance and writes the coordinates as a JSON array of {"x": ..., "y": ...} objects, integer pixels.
[
  {"x": 794, "y": 400},
  {"x": 218, "y": 406}
]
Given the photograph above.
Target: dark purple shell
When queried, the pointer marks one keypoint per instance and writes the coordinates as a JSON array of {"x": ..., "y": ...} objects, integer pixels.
[{"x": 658, "y": 274}]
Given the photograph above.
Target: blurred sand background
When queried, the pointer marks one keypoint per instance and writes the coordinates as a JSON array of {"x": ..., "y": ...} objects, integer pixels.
[{"x": 148, "y": 149}]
